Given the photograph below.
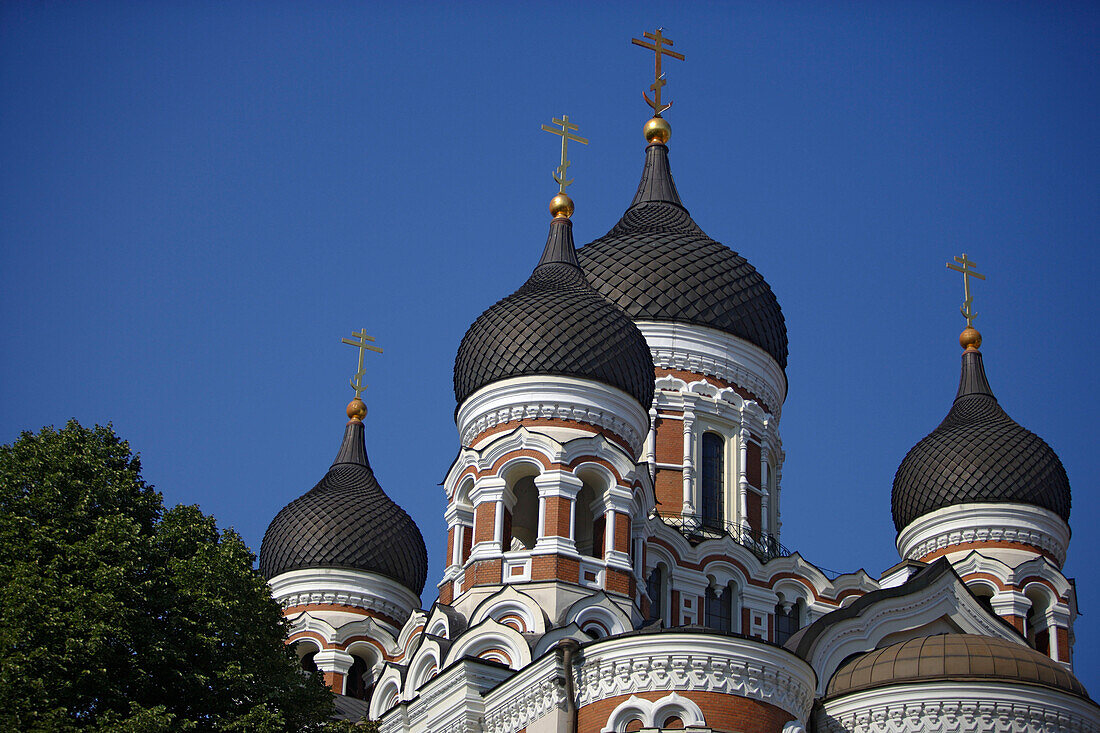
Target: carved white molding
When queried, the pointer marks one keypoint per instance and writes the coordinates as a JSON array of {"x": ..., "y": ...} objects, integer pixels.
[
  {"x": 653, "y": 714},
  {"x": 957, "y": 526},
  {"x": 708, "y": 351},
  {"x": 356, "y": 588},
  {"x": 665, "y": 662},
  {"x": 553, "y": 397},
  {"x": 960, "y": 707},
  {"x": 944, "y": 599}
]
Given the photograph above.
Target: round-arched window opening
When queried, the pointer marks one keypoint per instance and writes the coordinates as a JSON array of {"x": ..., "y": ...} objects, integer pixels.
[
  {"x": 360, "y": 680},
  {"x": 308, "y": 663},
  {"x": 634, "y": 725},
  {"x": 673, "y": 722}
]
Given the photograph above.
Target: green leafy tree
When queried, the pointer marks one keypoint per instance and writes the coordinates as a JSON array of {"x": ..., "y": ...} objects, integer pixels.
[{"x": 118, "y": 615}]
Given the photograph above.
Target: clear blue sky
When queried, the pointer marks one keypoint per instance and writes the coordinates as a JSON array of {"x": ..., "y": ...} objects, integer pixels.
[{"x": 198, "y": 200}]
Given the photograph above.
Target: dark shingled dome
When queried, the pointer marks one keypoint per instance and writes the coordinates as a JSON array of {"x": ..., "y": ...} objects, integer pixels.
[
  {"x": 347, "y": 521},
  {"x": 978, "y": 454},
  {"x": 953, "y": 657},
  {"x": 555, "y": 324},
  {"x": 658, "y": 265}
]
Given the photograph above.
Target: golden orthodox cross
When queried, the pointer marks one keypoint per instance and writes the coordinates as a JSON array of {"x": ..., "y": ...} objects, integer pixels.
[
  {"x": 968, "y": 272},
  {"x": 363, "y": 344},
  {"x": 659, "y": 50},
  {"x": 566, "y": 135}
]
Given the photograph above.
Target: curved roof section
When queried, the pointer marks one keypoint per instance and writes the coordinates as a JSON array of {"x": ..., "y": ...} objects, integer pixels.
[
  {"x": 978, "y": 454},
  {"x": 956, "y": 658},
  {"x": 555, "y": 324},
  {"x": 347, "y": 521},
  {"x": 658, "y": 265}
]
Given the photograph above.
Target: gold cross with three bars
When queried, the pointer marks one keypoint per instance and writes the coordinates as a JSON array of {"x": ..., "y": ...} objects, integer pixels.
[
  {"x": 363, "y": 343},
  {"x": 967, "y": 273},
  {"x": 659, "y": 50},
  {"x": 566, "y": 136}
]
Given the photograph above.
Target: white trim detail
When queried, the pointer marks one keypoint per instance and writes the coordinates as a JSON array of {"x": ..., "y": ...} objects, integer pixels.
[
  {"x": 984, "y": 522},
  {"x": 346, "y": 587},
  {"x": 958, "y": 706},
  {"x": 553, "y": 397},
  {"x": 653, "y": 714},
  {"x": 709, "y": 351}
]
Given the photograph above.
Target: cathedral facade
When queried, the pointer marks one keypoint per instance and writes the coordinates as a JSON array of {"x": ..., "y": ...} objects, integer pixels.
[{"x": 614, "y": 556}]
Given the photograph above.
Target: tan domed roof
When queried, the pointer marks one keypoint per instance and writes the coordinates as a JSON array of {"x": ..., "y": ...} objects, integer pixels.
[{"x": 953, "y": 657}]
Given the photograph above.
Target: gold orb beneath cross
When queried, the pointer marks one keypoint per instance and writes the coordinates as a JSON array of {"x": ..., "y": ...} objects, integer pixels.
[
  {"x": 357, "y": 410},
  {"x": 561, "y": 206},
  {"x": 657, "y": 130},
  {"x": 970, "y": 339}
]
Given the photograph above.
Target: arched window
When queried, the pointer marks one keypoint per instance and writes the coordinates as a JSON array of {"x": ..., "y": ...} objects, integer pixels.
[
  {"x": 720, "y": 608},
  {"x": 360, "y": 680},
  {"x": 525, "y": 515},
  {"x": 587, "y": 533},
  {"x": 788, "y": 620},
  {"x": 655, "y": 589},
  {"x": 711, "y": 479}
]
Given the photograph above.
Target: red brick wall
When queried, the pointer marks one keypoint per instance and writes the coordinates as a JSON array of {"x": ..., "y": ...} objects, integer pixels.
[
  {"x": 670, "y": 491},
  {"x": 483, "y": 572},
  {"x": 670, "y": 440},
  {"x": 616, "y": 581},
  {"x": 723, "y": 713},
  {"x": 555, "y": 567},
  {"x": 754, "y": 509},
  {"x": 622, "y": 532},
  {"x": 484, "y": 516},
  {"x": 557, "y": 516},
  {"x": 467, "y": 543},
  {"x": 450, "y": 545},
  {"x": 753, "y": 469}
]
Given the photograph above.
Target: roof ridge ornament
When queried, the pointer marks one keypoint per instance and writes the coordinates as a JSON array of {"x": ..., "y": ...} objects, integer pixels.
[
  {"x": 970, "y": 339},
  {"x": 357, "y": 409},
  {"x": 561, "y": 205}
]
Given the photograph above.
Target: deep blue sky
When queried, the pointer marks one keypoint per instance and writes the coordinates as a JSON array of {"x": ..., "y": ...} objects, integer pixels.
[{"x": 198, "y": 200}]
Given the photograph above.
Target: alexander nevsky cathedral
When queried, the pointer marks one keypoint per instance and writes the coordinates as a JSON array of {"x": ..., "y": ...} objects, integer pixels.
[{"x": 614, "y": 556}]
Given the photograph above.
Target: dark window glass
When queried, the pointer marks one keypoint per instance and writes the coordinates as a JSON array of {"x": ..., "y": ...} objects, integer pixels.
[
  {"x": 786, "y": 623},
  {"x": 654, "y": 588},
  {"x": 718, "y": 609},
  {"x": 712, "y": 479}
]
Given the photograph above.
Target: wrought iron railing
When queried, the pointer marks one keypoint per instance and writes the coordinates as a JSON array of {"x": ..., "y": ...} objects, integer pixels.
[{"x": 697, "y": 529}]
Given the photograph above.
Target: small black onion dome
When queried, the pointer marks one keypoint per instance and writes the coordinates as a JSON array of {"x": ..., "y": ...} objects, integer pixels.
[
  {"x": 658, "y": 265},
  {"x": 347, "y": 521},
  {"x": 555, "y": 324},
  {"x": 953, "y": 657},
  {"x": 978, "y": 454}
]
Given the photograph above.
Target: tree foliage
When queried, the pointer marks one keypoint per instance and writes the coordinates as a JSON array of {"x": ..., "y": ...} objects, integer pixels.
[{"x": 118, "y": 615}]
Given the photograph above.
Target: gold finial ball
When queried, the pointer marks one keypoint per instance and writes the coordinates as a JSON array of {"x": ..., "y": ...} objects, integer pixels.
[
  {"x": 970, "y": 339},
  {"x": 657, "y": 131},
  {"x": 357, "y": 410},
  {"x": 561, "y": 206}
]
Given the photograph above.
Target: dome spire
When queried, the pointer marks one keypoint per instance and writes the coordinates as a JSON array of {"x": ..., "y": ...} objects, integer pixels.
[
  {"x": 969, "y": 339},
  {"x": 657, "y": 130}
]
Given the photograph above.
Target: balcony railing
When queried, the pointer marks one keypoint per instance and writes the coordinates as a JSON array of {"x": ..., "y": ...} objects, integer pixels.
[{"x": 697, "y": 529}]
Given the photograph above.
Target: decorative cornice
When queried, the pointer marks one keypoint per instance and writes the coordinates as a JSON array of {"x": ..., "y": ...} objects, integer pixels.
[
  {"x": 344, "y": 587},
  {"x": 708, "y": 351},
  {"x": 668, "y": 661},
  {"x": 553, "y": 397},
  {"x": 963, "y": 524},
  {"x": 958, "y": 706}
]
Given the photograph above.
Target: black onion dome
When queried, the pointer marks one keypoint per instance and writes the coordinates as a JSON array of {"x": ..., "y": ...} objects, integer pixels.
[
  {"x": 347, "y": 521},
  {"x": 555, "y": 324},
  {"x": 978, "y": 454},
  {"x": 658, "y": 265}
]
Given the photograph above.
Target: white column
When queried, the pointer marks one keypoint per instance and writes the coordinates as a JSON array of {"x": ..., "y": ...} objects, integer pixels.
[
  {"x": 456, "y": 551},
  {"x": 765, "y": 525},
  {"x": 651, "y": 444},
  {"x": 689, "y": 469},
  {"x": 334, "y": 661},
  {"x": 775, "y": 499},
  {"x": 608, "y": 533},
  {"x": 743, "y": 477},
  {"x": 557, "y": 484},
  {"x": 489, "y": 490}
]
